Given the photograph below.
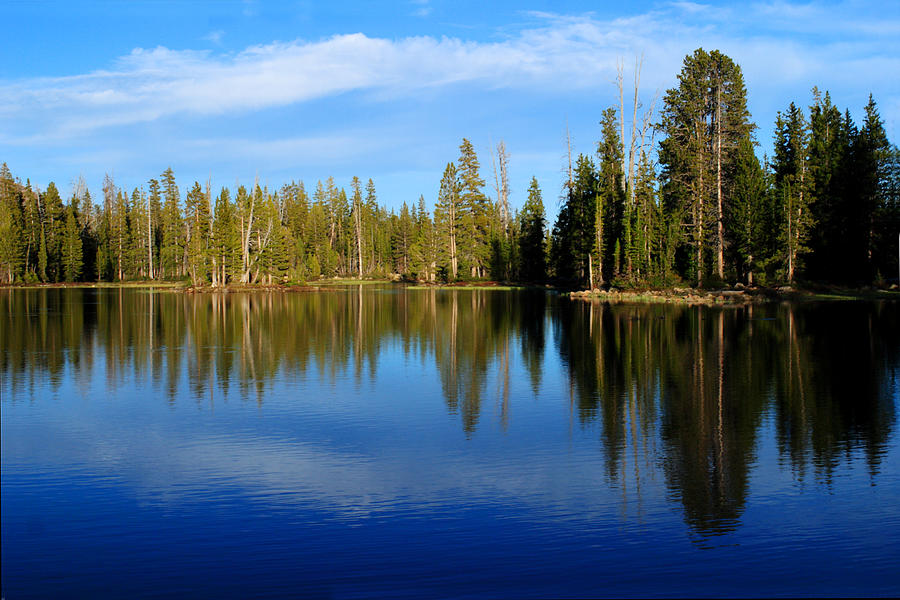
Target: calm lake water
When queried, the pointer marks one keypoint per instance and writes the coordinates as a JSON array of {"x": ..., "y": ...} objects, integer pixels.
[{"x": 376, "y": 440}]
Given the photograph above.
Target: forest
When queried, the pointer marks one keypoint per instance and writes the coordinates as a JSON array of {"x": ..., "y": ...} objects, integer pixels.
[{"x": 698, "y": 206}]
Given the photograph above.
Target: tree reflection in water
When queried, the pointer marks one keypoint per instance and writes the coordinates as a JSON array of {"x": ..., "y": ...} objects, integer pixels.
[{"x": 677, "y": 390}]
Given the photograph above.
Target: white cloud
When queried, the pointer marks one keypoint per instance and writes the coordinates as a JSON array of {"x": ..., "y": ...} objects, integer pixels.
[{"x": 558, "y": 55}]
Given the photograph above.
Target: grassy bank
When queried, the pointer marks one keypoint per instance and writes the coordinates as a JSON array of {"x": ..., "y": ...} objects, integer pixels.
[{"x": 739, "y": 295}]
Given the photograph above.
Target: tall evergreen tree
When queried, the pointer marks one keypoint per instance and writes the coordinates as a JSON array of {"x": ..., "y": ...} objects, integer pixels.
[
  {"x": 356, "y": 213},
  {"x": 54, "y": 220},
  {"x": 704, "y": 120},
  {"x": 645, "y": 247},
  {"x": 139, "y": 235},
  {"x": 426, "y": 246},
  {"x": 829, "y": 151},
  {"x": 746, "y": 217},
  {"x": 29, "y": 202},
  {"x": 792, "y": 187},
  {"x": 477, "y": 211},
  {"x": 450, "y": 218},
  {"x": 872, "y": 157},
  {"x": 402, "y": 240},
  {"x": 610, "y": 206},
  {"x": 574, "y": 232},
  {"x": 531, "y": 237},
  {"x": 197, "y": 219},
  {"x": 226, "y": 244},
  {"x": 154, "y": 201},
  {"x": 71, "y": 254},
  {"x": 171, "y": 248}
]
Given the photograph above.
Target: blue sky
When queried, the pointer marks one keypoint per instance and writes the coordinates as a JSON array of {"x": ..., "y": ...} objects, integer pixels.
[{"x": 303, "y": 90}]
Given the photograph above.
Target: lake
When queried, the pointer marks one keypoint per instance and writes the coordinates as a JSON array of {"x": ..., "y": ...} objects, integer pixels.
[{"x": 388, "y": 441}]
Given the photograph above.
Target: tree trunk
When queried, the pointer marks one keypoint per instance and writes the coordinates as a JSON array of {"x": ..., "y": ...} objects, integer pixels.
[
  {"x": 245, "y": 246},
  {"x": 149, "y": 238},
  {"x": 590, "y": 272},
  {"x": 720, "y": 233}
]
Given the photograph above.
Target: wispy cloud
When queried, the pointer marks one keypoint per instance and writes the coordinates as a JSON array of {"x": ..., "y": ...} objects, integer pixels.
[
  {"x": 558, "y": 54},
  {"x": 422, "y": 8},
  {"x": 214, "y": 36}
]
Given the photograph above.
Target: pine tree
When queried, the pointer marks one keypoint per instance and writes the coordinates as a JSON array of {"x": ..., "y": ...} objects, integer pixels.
[
  {"x": 32, "y": 226},
  {"x": 87, "y": 224},
  {"x": 369, "y": 215},
  {"x": 730, "y": 125},
  {"x": 114, "y": 230},
  {"x": 155, "y": 218},
  {"x": 449, "y": 219},
  {"x": 171, "y": 248},
  {"x": 829, "y": 151},
  {"x": 54, "y": 230},
  {"x": 574, "y": 235},
  {"x": 425, "y": 246},
  {"x": 72, "y": 247},
  {"x": 296, "y": 214},
  {"x": 356, "y": 213},
  {"x": 262, "y": 235},
  {"x": 531, "y": 237},
  {"x": 792, "y": 187},
  {"x": 317, "y": 241},
  {"x": 402, "y": 240},
  {"x": 609, "y": 208},
  {"x": 197, "y": 219},
  {"x": 42, "y": 257},
  {"x": 278, "y": 260},
  {"x": 139, "y": 235},
  {"x": 340, "y": 235},
  {"x": 746, "y": 218},
  {"x": 226, "y": 244},
  {"x": 704, "y": 120},
  {"x": 646, "y": 252},
  {"x": 476, "y": 211},
  {"x": 872, "y": 156}
]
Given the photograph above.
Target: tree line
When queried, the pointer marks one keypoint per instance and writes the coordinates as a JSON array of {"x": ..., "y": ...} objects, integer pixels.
[
  {"x": 260, "y": 236},
  {"x": 699, "y": 206}
]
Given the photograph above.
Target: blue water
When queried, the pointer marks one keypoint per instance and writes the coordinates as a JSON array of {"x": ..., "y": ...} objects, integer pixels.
[{"x": 406, "y": 443}]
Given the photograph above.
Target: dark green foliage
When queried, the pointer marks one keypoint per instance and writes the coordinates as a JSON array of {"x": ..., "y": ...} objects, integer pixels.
[
  {"x": 197, "y": 226},
  {"x": 476, "y": 214},
  {"x": 53, "y": 231},
  {"x": 531, "y": 238},
  {"x": 745, "y": 218},
  {"x": 792, "y": 189},
  {"x": 12, "y": 254},
  {"x": 610, "y": 205},
  {"x": 71, "y": 253},
  {"x": 171, "y": 256}
]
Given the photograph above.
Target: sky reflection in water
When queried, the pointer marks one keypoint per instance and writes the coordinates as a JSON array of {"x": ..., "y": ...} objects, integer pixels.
[{"x": 395, "y": 441}]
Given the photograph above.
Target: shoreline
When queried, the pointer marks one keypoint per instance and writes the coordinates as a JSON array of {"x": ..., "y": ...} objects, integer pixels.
[{"x": 737, "y": 295}]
